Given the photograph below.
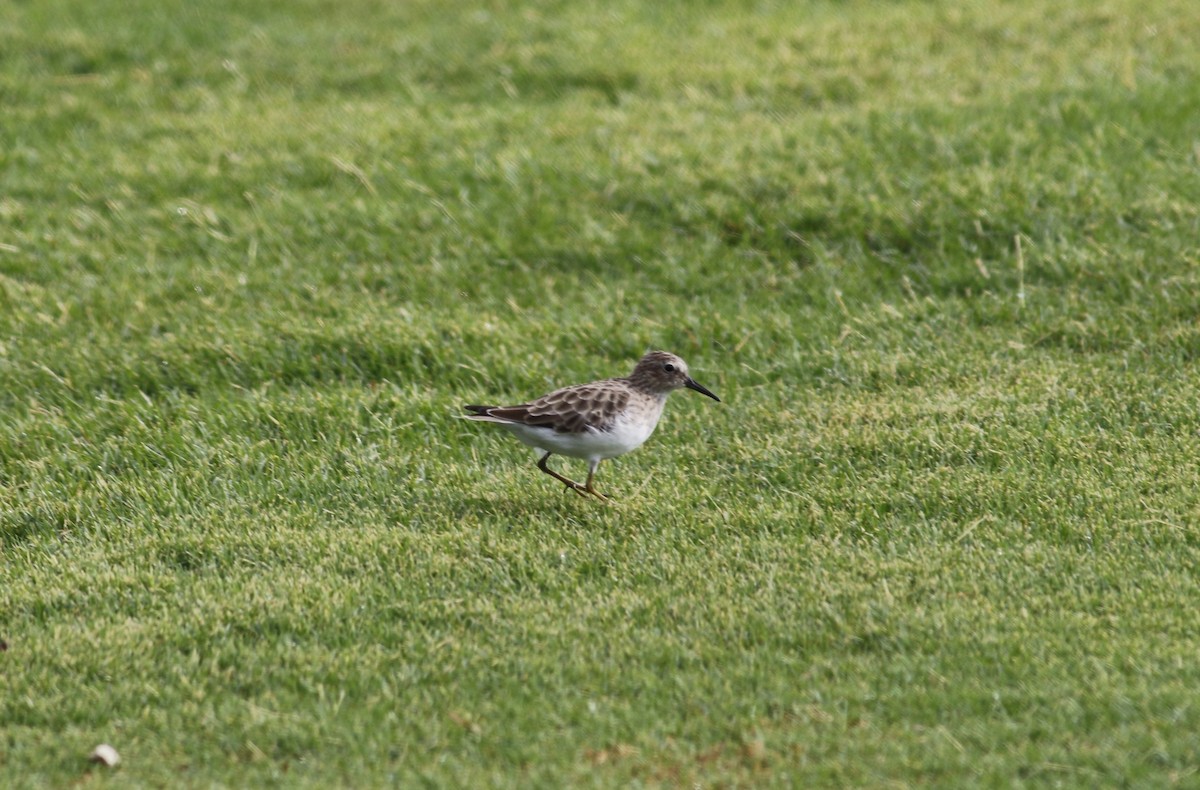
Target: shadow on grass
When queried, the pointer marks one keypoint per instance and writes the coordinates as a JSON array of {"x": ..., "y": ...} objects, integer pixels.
[{"x": 513, "y": 510}]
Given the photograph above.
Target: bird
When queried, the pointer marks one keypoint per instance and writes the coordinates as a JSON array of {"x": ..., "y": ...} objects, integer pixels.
[{"x": 595, "y": 421}]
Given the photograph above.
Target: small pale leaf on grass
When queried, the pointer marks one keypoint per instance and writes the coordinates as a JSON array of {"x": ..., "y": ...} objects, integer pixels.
[
  {"x": 104, "y": 754},
  {"x": 755, "y": 750},
  {"x": 465, "y": 721},
  {"x": 614, "y": 753}
]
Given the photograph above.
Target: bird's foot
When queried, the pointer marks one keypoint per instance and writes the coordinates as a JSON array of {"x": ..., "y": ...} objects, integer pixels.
[
  {"x": 597, "y": 494},
  {"x": 577, "y": 488}
]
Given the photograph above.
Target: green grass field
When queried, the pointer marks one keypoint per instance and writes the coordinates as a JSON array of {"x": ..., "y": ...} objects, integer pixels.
[{"x": 939, "y": 260}]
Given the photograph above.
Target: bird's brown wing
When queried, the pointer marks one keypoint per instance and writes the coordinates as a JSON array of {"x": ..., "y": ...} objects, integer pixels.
[{"x": 569, "y": 410}]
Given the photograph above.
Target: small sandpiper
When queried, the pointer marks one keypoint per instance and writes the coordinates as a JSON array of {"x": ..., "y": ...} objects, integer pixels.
[{"x": 595, "y": 421}]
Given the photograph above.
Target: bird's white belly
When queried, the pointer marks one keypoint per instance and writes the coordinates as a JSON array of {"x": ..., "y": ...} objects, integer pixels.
[{"x": 592, "y": 445}]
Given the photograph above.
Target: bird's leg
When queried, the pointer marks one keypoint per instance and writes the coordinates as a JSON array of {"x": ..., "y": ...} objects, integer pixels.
[
  {"x": 568, "y": 482},
  {"x": 588, "y": 486}
]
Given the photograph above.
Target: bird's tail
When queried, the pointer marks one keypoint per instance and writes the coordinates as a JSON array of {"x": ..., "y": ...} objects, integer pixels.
[{"x": 479, "y": 410}]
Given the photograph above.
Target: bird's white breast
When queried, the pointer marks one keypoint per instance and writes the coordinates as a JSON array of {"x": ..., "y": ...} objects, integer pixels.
[{"x": 629, "y": 431}]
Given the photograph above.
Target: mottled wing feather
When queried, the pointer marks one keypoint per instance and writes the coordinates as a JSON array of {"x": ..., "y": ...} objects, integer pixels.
[{"x": 569, "y": 410}]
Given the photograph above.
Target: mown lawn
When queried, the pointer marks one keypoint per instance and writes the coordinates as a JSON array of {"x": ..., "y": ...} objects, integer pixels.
[{"x": 939, "y": 260}]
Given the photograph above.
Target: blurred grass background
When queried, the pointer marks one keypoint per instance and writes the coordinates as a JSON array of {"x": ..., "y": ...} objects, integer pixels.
[{"x": 938, "y": 259}]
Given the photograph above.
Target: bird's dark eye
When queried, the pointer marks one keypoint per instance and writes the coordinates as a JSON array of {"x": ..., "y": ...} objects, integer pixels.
[{"x": 669, "y": 367}]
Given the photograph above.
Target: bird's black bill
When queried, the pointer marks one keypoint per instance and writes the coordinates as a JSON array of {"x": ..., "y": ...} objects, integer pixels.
[{"x": 692, "y": 385}]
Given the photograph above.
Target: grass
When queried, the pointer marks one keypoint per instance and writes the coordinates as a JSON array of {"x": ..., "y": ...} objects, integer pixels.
[{"x": 941, "y": 531}]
